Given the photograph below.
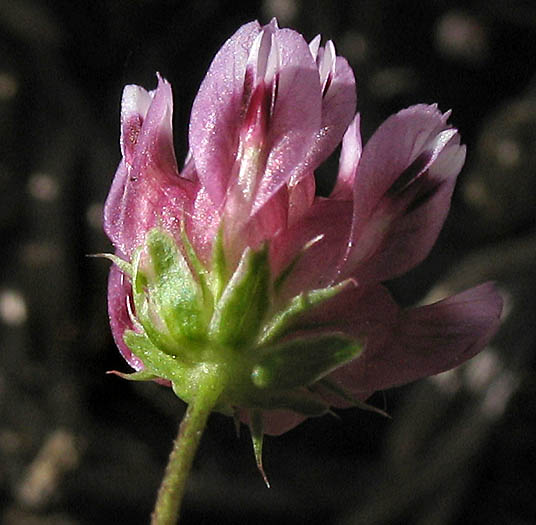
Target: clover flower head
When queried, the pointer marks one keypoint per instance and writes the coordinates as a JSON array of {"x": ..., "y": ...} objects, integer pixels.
[{"x": 234, "y": 266}]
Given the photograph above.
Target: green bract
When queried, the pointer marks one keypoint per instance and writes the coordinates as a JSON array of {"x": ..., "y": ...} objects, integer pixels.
[{"x": 191, "y": 320}]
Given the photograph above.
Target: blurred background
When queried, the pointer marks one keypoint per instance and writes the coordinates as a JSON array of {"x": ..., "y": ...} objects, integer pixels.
[{"x": 80, "y": 447}]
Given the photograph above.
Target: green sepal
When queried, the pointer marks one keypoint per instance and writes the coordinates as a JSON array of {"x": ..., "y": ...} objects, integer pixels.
[
  {"x": 303, "y": 361},
  {"x": 146, "y": 313},
  {"x": 173, "y": 288},
  {"x": 347, "y": 396},
  {"x": 123, "y": 265},
  {"x": 257, "y": 438},
  {"x": 242, "y": 307},
  {"x": 141, "y": 375},
  {"x": 297, "y": 306},
  {"x": 198, "y": 267},
  {"x": 219, "y": 266},
  {"x": 156, "y": 362}
]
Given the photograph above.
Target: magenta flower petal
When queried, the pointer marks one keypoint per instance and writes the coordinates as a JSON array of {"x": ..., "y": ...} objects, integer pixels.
[
  {"x": 135, "y": 104},
  {"x": 391, "y": 150},
  {"x": 154, "y": 144},
  {"x": 297, "y": 113},
  {"x": 202, "y": 220},
  {"x": 402, "y": 192},
  {"x": 275, "y": 100},
  {"x": 119, "y": 291},
  {"x": 276, "y": 422},
  {"x": 363, "y": 313},
  {"x": 147, "y": 189},
  {"x": 301, "y": 196},
  {"x": 270, "y": 219},
  {"x": 114, "y": 210},
  {"x": 349, "y": 161},
  {"x": 357, "y": 311},
  {"x": 287, "y": 206},
  {"x": 318, "y": 241},
  {"x": 338, "y": 100},
  {"x": 218, "y": 107},
  {"x": 425, "y": 341}
]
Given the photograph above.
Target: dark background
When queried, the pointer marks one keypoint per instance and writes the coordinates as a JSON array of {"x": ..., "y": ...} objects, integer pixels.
[{"x": 80, "y": 447}]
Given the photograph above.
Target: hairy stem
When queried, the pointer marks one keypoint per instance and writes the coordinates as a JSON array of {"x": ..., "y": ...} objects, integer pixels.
[{"x": 171, "y": 492}]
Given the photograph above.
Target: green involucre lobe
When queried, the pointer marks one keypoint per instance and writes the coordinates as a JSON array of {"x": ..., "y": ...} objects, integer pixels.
[
  {"x": 176, "y": 293},
  {"x": 297, "y": 306},
  {"x": 303, "y": 361},
  {"x": 239, "y": 313},
  {"x": 191, "y": 320}
]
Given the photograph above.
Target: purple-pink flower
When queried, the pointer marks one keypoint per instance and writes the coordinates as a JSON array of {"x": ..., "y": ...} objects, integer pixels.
[{"x": 235, "y": 262}]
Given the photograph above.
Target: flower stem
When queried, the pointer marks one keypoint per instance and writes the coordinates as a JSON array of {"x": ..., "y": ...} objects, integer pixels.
[{"x": 171, "y": 491}]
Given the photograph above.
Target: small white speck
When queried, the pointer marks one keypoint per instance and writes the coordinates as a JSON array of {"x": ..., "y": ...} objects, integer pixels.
[
  {"x": 43, "y": 187},
  {"x": 458, "y": 35},
  {"x": 13, "y": 309},
  {"x": 482, "y": 370},
  {"x": 447, "y": 382},
  {"x": 94, "y": 215},
  {"x": 499, "y": 393},
  {"x": 59, "y": 454},
  {"x": 508, "y": 153},
  {"x": 284, "y": 10}
]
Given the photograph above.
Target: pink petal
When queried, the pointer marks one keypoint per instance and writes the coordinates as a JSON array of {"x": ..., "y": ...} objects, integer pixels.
[
  {"x": 287, "y": 206},
  {"x": 361, "y": 313},
  {"x": 349, "y": 161},
  {"x": 275, "y": 422},
  {"x": 301, "y": 196},
  {"x": 118, "y": 294},
  {"x": 252, "y": 231},
  {"x": 327, "y": 224},
  {"x": 425, "y": 341},
  {"x": 296, "y": 115},
  {"x": 202, "y": 221},
  {"x": 412, "y": 235},
  {"x": 188, "y": 171},
  {"x": 338, "y": 103},
  {"x": 218, "y": 114},
  {"x": 270, "y": 219},
  {"x": 154, "y": 147},
  {"x": 147, "y": 189},
  {"x": 357, "y": 311},
  {"x": 134, "y": 106},
  {"x": 114, "y": 209},
  {"x": 391, "y": 149},
  {"x": 402, "y": 193}
]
